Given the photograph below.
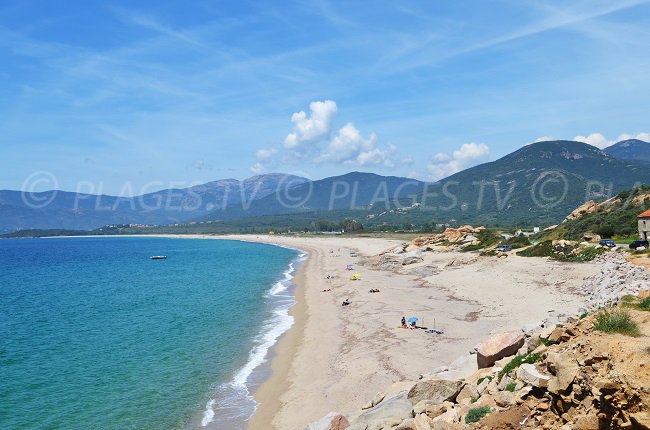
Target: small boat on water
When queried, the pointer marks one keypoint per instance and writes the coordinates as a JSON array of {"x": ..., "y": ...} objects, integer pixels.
[{"x": 159, "y": 257}]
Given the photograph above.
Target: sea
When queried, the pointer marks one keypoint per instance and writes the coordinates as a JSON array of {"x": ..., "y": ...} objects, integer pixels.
[{"x": 94, "y": 334}]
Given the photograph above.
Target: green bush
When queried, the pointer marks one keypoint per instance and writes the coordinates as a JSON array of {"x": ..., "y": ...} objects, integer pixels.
[
  {"x": 617, "y": 321},
  {"x": 542, "y": 249},
  {"x": 475, "y": 414},
  {"x": 644, "y": 304},
  {"x": 518, "y": 361},
  {"x": 517, "y": 242},
  {"x": 511, "y": 387}
]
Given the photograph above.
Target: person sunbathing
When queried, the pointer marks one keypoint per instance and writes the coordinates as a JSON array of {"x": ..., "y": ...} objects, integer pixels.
[{"x": 345, "y": 302}]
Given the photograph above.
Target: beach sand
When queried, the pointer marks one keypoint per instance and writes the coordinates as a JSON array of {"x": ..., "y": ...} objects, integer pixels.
[{"x": 337, "y": 358}]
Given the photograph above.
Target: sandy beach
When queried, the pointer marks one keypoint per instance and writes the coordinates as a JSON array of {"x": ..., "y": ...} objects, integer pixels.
[{"x": 336, "y": 358}]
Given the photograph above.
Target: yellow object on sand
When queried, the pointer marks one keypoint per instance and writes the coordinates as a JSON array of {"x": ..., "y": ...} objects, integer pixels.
[{"x": 356, "y": 277}]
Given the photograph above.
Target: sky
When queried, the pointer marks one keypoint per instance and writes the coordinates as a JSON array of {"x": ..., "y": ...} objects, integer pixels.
[{"x": 126, "y": 97}]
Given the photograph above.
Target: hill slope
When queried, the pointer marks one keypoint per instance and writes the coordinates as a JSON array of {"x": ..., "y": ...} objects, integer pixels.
[
  {"x": 538, "y": 184},
  {"x": 61, "y": 209},
  {"x": 631, "y": 149},
  {"x": 352, "y": 191}
]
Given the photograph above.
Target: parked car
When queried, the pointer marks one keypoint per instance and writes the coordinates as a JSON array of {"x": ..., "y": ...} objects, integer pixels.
[
  {"x": 504, "y": 248},
  {"x": 639, "y": 243},
  {"x": 608, "y": 243}
]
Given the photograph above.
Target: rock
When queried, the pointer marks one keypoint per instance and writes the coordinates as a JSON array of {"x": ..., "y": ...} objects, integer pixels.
[
  {"x": 339, "y": 422},
  {"x": 529, "y": 374},
  {"x": 407, "y": 424},
  {"x": 641, "y": 420},
  {"x": 398, "y": 387},
  {"x": 566, "y": 369},
  {"x": 398, "y": 406},
  {"x": 435, "y": 390},
  {"x": 422, "y": 422},
  {"x": 504, "y": 398},
  {"x": 497, "y": 347},
  {"x": 586, "y": 422},
  {"x": 331, "y": 421},
  {"x": 556, "y": 335},
  {"x": 469, "y": 391},
  {"x": 449, "y": 417}
]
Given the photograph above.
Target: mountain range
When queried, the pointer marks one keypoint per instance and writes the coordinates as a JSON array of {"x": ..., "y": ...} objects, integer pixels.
[{"x": 538, "y": 184}]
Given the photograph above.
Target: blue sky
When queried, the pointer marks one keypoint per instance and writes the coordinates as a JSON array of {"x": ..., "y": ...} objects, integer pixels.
[{"x": 125, "y": 97}]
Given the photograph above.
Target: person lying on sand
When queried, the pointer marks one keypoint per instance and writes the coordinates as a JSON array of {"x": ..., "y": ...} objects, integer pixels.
[
  {"x": 373, "y": 290},
  {"x": 412, "y": 326},
  {"x": 345, "y": 302},
  {"x": 324, "y": 291}
]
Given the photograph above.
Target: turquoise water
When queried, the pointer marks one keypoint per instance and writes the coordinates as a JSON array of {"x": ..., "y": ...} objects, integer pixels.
[{"x": 96, "y": 335}]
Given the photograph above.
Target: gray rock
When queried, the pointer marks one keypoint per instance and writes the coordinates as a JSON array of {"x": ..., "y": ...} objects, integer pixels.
[
  {"x": 435, "y": 390},
  {"x": 398, "y": 406}
]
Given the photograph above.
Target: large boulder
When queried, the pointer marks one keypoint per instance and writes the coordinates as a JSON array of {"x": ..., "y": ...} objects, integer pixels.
[
  {"x": 498, "y": 347},
  {"x": 331, "y": 421},
  {"x": 566, "y": 368},
  {"x": 398, "y": 406},
  {"x": 435, "y": 390},
  {"x": 529, "y": 374}
]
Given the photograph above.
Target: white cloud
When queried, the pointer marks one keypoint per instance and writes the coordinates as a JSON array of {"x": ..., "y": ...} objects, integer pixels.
[
  {"x": 596, "y": 139},
  {"x": 350, "y": 147},
  {"x": 468, "y": 155},
  {"x": 544, "y": 139},
  {"x": 314, "y": 128},
  {"x": 264, "y": 154},
  {"x": 600, "y": 141},
  {"x": 257, "y": 168},
  {"x": 641, "y": 136}
]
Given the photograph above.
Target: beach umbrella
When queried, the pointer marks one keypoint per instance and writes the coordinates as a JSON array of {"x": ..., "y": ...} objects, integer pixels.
[{"x": 412, "y": 320}]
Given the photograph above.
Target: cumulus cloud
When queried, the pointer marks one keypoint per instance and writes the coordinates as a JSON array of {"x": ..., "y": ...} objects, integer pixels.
[
  {"x": 264, "y": 154},
  {"x": 258, "y": 168},
  {"x": 596, "y": 139},
  {"x": 350, "y": 147},
  {"x": 313, "y": 128},
  {"x": 600, "y": 141},
  {"x": 543, "y": 139},
  {"x": 641, "y": 136},
  {"x": 468, "y": 155}
]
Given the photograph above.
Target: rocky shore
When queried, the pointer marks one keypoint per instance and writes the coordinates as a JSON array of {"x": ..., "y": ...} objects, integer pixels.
[{"x": 559, "y": 373}]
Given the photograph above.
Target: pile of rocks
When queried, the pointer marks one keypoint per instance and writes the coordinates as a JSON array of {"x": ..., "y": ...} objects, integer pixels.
[
  {"x": 617, "y": 278},
  {"x": 567, "y": 377},
  {"x": 458, "y": 237}
]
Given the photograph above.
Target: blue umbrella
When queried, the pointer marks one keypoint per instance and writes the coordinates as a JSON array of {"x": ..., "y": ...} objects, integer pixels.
[{"x": 412, "y": 320}]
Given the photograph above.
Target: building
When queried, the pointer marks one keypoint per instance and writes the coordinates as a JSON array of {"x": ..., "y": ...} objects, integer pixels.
[{"x": 644, "y": 225}]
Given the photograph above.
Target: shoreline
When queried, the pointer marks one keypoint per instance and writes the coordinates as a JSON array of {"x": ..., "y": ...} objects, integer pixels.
[{"x": 333, "y": 358}]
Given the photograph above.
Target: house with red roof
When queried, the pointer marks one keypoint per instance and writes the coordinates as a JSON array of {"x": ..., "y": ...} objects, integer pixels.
[{"x": 644, "y": 225}]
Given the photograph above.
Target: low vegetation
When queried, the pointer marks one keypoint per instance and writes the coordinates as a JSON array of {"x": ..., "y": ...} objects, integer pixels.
[
  {"x": 566, "y": 252},
  {"x": 475, "y": 414},
  {"x": 617, "y": 321},
  {"x": 511, "y": 387},
  {"x": 518, "y": 361},
  {"x": 517, "y": 242},
  {"x": 615, "y": 220}
]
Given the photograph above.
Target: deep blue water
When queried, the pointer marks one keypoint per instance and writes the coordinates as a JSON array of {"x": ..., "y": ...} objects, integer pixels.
[{"x": 96, "y": 335}]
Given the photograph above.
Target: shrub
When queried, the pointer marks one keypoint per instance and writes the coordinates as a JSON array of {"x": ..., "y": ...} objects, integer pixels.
[
  {"x": 489, "y": 378},
  {"x": 518, "y": 361},
  {"x": 511, "y": 387},
  {"x": 542, "y": 249},
  {"x": 644, "y": 304},
  {"x": 617, "y": 321},
  {"x": 475, "y": 414}
]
